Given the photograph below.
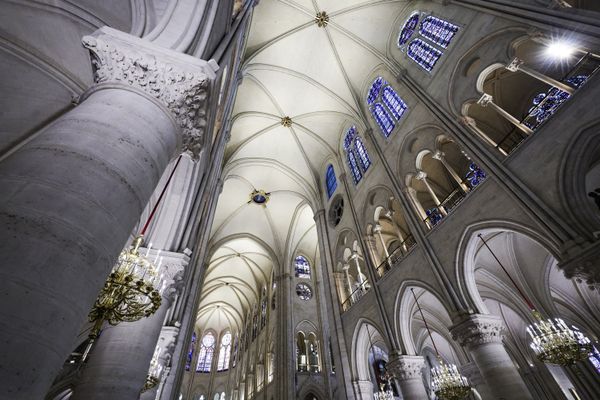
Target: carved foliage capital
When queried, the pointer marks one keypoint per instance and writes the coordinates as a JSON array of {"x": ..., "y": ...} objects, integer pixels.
[
  {"x": 477, "y": 330},
  {"x": 406, "y": 367},
  {"x": 179, "y": 81}
]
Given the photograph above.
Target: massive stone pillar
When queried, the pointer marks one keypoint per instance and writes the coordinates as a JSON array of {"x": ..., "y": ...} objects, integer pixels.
[
  {"x": 71, "y": 196},
  {"x": 482, "y": 337},
  {"x": 408, "y": 371},
  {"x": 118, "y": 364}
]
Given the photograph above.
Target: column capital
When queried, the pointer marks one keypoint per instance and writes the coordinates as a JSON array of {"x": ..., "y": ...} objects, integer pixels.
[
  {"x": 438, "y": 155},
  {"x": 318, "y": 214},
  {"x": 377, "y": 228},
  {"x": 485, "y": 99},
  {"x": 421, "y": 175},
  {"x": 478, "y": 329},
  {"x": 179, "y": 81},
  {"x": 172, "y": 269},
  {"x": 467, "y": 121},
  {"x": 514, "y": 65},
  {"x": 405, "y": 367}
]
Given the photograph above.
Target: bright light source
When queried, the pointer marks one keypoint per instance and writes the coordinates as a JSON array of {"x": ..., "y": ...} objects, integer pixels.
[{"x": 560, "y": 50}]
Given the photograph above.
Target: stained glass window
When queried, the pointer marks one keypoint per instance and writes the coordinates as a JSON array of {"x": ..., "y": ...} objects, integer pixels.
[
  {"x": 433, "y": 33},
  {"x": 437, "y": 30},
  {"x": 235, "y": 351},
  {"x": 330, "y": 180},
  {"x": 304, "y": 291},
  {"x": 395, "y": 104},
  {"x": 263, "y": 308},
  {"x": 408, "y": 29},
  {"x": 383, "y": 119},
  {"x": 190, "y": 354},
  {"x": 207, "y": 350},
  {"x": 224, "y": 352},
  {"x": 423, "y": 54},
  {"x": 356, "y": 174},
  {"x": 375, "y": 89},
  {"x": 355, "y": 149},
  {"x": 363, "y": 156},
  {"x": 595, "y": 359},
  {"x": 302, "y": 267},
  {"x": 475, "y": 175}
]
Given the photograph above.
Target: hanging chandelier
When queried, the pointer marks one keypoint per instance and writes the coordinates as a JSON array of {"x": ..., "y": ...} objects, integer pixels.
[
  {"x": 130, "y": 293},
  {"x": 134, "y": 288},
  {"x": 552, "y": 340},
  {"x": 446, "y": 380},
  {"x": 154, "y": 374}
]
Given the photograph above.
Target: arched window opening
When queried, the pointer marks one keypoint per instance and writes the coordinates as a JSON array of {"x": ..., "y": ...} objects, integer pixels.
[
  {"x": 301, "y": 359},
  {"x": 314, "y": 364},
  {"x": 201, "y": 397},
  {"x": 330, "y": 181},
  {"x": 385, "y": 105},
  {"x": 224, "y": 352},
  {"x": 263, "y": 308},
  {"x": 302, "y": 267},
  {"x": 190, "y": 354},
  {"x": 222, "y": 397},
  {"x": 235, "y": 351},
  {"x": 432, "y": 32},
  {"x": 205, "y": 355},
  {"x": 355, "y": 149},
  {"x": 423, "y": 54},
  {"x": 437, "y": 30}
]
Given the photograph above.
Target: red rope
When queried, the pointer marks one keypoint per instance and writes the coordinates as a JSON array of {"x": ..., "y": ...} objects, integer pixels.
[{"x": 159, "y": 198}]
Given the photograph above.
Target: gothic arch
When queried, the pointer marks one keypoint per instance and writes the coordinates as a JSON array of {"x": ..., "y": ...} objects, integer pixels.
[{"x": 366, "y": 333}]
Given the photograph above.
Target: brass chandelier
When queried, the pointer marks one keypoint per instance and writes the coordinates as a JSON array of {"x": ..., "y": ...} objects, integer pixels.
[
  {"x": 552, "y": 340},
  {"x": 446, "y": 380},
  {"x": 154, "y": 373},
  {"x": 133, "y": 289}
]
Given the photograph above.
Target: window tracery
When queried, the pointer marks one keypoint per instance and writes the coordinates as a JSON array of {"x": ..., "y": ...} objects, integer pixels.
[
  {"x": 434, "y": 36},
  {"x": 385, "y": 105},
  {"x": 304, "y": 291},
  {"x": 224, "y": 352},
  {"x": 355, "y": 149},
  {"x": 205, "y": 355}
]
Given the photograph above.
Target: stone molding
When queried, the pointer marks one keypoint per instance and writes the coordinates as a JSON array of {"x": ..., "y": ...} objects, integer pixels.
[
  {"x": 179, "y": 81},
  {"x": 478, "y": 329},
  {"x": 405, "y": 367},
  {"x": 172, "y": 268}
]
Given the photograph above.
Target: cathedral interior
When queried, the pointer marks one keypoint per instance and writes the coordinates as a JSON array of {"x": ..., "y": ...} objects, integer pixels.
[{"x": 300, "y": 199}]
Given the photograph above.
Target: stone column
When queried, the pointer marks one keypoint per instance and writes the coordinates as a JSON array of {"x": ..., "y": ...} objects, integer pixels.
[
  {"x": 346, "y": 268},
  {"x": 390, "y": 215},
  {"x": 482, "y": 336},
  {"x": 518, "y": 65},
  {"x": 372, "y": 247},
  {"x": 487, "y": 100},
  {"x": 377, "y": 230},
  {"x": 359, "y": 277},
  {"x": 118, "y": 364},
  {"x": 166, "y": 346},
  {"x": 440, "y": 156},
  {"x": 412, "y": 195},
  {"x": 408, "y": 371},
  {"x": 472, "y": 125},
  {"x": 422, "y": 176},
  {"x": 72, "y": 196}
]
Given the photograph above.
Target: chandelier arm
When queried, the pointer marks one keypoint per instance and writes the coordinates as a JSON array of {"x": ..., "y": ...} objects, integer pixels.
[
  {"x": 437, "y": 353},
  {"x": 525, "y": 298},
  {"x": 143, "y": 231}
]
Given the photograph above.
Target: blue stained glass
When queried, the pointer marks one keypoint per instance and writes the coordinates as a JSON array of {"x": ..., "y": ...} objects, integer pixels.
[
  {"x": 475, "y": 175},
  {"x": 190, "y": 354},
  {"x": 302, "y": 267},
  {"x": 595, "y": 359},
  {"x": 408, "y": 29},
  {"x": 434, "y": 216},
  {"x": 384, "y": 120},
  {"x": 423, "y": 54},
  {"x": 356, "y": 174},
  {"x": 375, "y": 89},
  {"x": 330, "y": 180},
  {"x": 349, "y": 138},
  {"x": 396, "y": 105},
  {"x": 546, "y": 104},
  {"x": 363, "y": 156},
  {"x": 437, "y": 30}
]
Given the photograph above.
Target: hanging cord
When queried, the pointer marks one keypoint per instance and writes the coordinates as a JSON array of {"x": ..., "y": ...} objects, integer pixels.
[
  {"x": 437, "y": 353},
  {"x": 527, "y": 301},
  {"x": 143, "y": 231}
]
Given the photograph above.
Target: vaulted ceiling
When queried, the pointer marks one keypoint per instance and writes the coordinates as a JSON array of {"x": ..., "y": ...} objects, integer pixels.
[{"x": 317, "y": 76}]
